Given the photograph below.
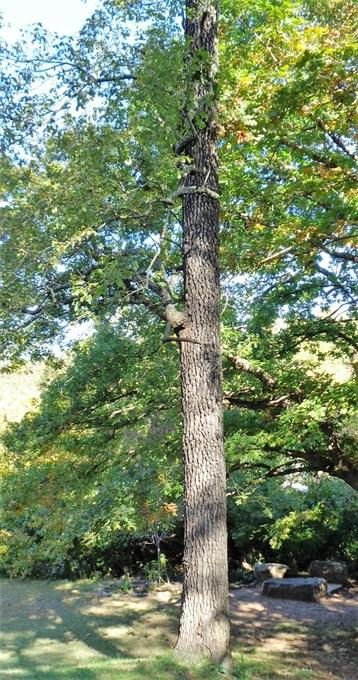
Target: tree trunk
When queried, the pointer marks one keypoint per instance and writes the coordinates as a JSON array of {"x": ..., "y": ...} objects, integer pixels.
[
  {"x": 204, "y": 630},
  {"x": 350, "y": 477}
]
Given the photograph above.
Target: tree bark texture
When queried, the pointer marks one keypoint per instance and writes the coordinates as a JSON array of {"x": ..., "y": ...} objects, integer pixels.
[{"x": 204, "y": 629}]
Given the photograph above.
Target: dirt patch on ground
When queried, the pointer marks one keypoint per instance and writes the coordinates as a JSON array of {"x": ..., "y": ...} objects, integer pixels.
[{"x": 322, "y": 636}]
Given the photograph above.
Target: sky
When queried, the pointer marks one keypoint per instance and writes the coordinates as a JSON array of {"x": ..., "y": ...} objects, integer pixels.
[{"x": 63, "y": 16}]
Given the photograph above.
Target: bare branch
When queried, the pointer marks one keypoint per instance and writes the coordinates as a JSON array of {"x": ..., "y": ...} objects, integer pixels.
[
  {"x": 276, "y": 256},
  {"x": 260, "y": 404},
  {"x": 243, "y": 365}
]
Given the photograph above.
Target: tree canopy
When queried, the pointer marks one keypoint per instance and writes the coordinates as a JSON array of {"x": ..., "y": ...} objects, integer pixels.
[{"x": 91, "y": 237}]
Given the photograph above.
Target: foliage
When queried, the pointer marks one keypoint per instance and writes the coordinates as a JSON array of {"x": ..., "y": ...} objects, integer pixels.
[
  {"x": 93, "y": 461},
  {"x": 91, "y": 239},
  {"x": 92, "y": 471},
  {"x": 156, "y": 570},
  {"x": 19, "y": 393},
  {"x": 295, "y": 522}
]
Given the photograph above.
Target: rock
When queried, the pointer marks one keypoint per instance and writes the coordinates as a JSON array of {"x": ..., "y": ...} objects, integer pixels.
[
  {"x": 139, "y": 587},
  {"x": 163, "y": 595},
  {"x": 336, "y": 572},
  {"x": 140, "y": 593},
  {"x": 333, "y": 587},
  {"x": 246, "y": 566},
  {"x": 307, "y": 589},
  {"x": 269, "y": 570}
]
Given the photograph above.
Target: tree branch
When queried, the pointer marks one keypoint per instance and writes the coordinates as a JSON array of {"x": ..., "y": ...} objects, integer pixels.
[
  {"x": 318, "y": 158},
  {"x": 341, "y": 255},
  {"x": 337, "y": 140},
  {"x": 243, "y": 365},
  {"x": 256, "y": 404}
]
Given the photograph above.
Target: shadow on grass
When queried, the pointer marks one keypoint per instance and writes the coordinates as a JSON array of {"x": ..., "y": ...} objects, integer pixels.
[
  {"x": 63, "y": 631},
  {"x": 303, "y": 640},
  {"x": 46, "y": 632}
]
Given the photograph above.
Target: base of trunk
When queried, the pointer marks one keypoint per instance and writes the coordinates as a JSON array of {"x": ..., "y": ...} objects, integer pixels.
[
  {"x": 198, "y": 656},
  {"x": 209, "y": 639}
]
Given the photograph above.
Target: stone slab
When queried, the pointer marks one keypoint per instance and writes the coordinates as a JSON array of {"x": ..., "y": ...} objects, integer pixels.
[
  {"x": 333, "y": 587},
  {"x": 269, "y": 570},
  {"x": 333, "y": 571},
  {"x": 304, "y": 589}
]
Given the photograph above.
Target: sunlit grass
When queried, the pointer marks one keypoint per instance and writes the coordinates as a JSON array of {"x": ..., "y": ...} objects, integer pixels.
[{"x": 157, "y": 668}]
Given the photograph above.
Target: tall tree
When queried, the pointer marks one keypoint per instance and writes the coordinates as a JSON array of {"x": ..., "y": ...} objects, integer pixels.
[
  {"x": 91, "y": 231},
  {"x": 204, "y": 625},
  {"x": 204, "y": 621}
]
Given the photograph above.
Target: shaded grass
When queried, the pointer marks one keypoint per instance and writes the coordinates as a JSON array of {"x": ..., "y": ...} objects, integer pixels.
[{"x": 68, "y": 631}]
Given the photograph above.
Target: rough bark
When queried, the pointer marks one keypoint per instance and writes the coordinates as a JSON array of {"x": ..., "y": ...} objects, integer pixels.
[{"x": 204, "y": 622}]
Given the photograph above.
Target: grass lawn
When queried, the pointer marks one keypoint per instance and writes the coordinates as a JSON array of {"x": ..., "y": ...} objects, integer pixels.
[{"x": 69, "y": 631}]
